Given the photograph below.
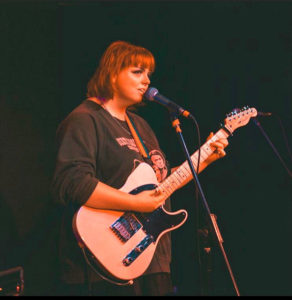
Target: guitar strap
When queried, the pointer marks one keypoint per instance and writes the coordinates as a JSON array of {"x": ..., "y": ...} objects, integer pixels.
[{"x": 138, "y": 140}]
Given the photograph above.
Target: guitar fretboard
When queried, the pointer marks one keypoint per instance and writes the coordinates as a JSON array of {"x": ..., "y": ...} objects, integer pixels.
[{"x": 183, "y": 172}]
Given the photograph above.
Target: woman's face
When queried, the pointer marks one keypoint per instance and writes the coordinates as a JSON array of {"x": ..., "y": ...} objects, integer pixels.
[
  {"x": 158, "y": 161},
  {"x": 130, "y": 85}
]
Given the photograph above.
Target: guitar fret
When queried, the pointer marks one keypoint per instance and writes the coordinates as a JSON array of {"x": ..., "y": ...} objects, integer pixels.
[
  {"x": 187, "y": 169},
  {"x": 195, "y": 161},
  {"x": 177, "y": 178},
  {"x": 223, "y": 134},
  {"x": 207, "y": 149},
  {"x": 181, "y": 174},
  {"x": 172, "y": 181},
  {"x": 204, "y": 155},
  {"x": 168, "y": 185},
  {"x": 164, "y": 188}
]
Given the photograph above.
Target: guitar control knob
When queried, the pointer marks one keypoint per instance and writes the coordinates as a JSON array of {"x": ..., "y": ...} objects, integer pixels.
[
  {"x": 127, "y": 261},
  {"x": 139, "y": 249}
]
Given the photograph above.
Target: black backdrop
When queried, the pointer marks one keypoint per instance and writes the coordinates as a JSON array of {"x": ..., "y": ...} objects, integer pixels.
[{"x": 211, "y": 57}]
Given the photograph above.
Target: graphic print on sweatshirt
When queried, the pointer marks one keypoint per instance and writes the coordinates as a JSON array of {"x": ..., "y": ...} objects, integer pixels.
[
  {"x": 157, "y": 160},
  {"x": 130, "y": 143},
  {"x": 158, "y": 164}
]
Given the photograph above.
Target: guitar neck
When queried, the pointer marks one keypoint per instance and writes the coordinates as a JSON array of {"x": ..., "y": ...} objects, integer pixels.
[{"x": 183, "y": 172}]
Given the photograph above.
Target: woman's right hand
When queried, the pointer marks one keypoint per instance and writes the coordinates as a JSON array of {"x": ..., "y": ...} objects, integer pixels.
[
  {"x": 107, "y": 197},
  {"x": 147, "y": 201}
]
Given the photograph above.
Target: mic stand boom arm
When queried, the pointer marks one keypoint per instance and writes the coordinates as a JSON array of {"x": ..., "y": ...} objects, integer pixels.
[
  {"x": 256, "y": 121},
  {"x": 212, "y": 219}
]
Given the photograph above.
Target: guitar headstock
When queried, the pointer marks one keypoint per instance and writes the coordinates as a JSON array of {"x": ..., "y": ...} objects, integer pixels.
[{"x": 239, "y": 117}]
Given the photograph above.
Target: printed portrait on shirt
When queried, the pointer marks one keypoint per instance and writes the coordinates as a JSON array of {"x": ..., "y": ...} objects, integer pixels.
[{"x": 158, "y": 164}]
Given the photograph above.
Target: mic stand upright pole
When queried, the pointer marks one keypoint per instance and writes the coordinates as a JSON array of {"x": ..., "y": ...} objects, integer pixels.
[{"x": 211, "y": 217}]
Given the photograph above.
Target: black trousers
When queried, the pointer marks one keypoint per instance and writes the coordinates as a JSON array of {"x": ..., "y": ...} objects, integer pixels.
[{"x": 158, "y": 284}]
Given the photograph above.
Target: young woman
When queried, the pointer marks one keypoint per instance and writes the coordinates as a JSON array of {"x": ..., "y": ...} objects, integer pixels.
[{"x": 96, "y": 154}]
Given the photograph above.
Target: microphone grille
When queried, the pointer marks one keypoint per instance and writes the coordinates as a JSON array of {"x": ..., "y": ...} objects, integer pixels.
[{"x": 150, "y": 93}]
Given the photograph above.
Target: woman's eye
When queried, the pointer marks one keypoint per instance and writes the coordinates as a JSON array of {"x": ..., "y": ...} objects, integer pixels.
[
  {"x": 137, "y": 71},
  {"x": 141, "y": 71}
]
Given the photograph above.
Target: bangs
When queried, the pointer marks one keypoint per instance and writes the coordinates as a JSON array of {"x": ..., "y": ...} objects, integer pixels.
[{"x": 143, "y": 60}]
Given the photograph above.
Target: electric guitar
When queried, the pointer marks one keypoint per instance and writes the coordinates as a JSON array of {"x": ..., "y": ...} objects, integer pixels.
[{"x": 122, "y": 243}]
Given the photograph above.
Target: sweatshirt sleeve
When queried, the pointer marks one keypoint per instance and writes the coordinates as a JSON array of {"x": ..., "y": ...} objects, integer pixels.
[{"x": 75, "y": 174}]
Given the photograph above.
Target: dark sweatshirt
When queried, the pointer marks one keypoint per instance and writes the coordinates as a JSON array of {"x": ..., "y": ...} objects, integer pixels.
[{"x": 92, "y": 145}]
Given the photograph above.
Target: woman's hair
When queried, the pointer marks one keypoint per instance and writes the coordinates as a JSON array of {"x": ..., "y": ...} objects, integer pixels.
[
  {"x": 118, "y": 56},
  {"x": 157, "y": 152}
]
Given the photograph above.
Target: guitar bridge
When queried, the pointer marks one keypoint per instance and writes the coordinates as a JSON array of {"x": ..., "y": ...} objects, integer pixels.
[{"x": 125, "y": 226}]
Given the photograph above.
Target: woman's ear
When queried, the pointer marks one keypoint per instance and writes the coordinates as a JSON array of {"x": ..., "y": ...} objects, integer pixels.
[{"x": 113, "y": 79}]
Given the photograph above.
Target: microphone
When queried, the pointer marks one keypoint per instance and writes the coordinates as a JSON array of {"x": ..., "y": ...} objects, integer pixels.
[
  {"x": 152, "y": 94},
  {"x": 263, "y": 114}
]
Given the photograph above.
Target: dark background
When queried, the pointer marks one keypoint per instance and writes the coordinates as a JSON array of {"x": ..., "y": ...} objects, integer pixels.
[{"x": 211, "y": 57}]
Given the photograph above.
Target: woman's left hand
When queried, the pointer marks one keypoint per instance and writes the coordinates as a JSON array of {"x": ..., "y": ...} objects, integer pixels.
[
  {"x": 218, "y": 152},
  {"x": 218, "y": 146}
]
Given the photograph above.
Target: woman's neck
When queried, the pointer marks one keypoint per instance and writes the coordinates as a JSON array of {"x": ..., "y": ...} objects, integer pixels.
[{"x": 116, "y": 110}]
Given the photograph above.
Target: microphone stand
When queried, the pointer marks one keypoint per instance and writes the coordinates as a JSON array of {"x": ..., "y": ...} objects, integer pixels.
[
  {"x": 256, "y": 121},
  {"x": 212, "y": 219}
]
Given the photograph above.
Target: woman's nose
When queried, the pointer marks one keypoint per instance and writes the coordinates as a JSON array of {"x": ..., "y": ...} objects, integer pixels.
[{"x": 146, "y": 79}]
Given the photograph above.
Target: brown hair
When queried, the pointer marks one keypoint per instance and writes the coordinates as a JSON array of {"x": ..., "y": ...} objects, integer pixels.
[{"x": 118, "y": 56}]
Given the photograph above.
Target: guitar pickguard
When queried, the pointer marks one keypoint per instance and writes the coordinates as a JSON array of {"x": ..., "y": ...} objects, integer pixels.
[{"x": 153, "y": 224}]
